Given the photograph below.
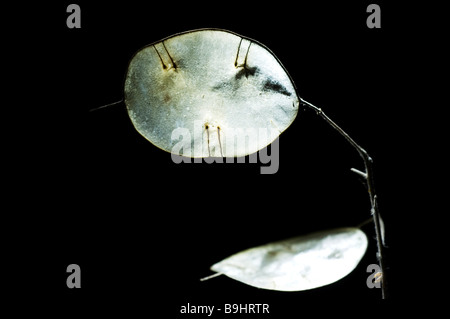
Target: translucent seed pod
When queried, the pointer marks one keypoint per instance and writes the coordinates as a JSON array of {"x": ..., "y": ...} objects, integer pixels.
[
  {"x": 208, "y": 93},
  {"x": 299, "y": 263}
]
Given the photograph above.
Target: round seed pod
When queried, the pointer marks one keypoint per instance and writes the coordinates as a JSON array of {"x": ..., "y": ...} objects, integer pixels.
[{"x": 208, "y": 93}]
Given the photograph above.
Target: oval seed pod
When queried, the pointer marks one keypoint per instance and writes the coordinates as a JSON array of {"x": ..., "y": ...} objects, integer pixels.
[
  {"x": 208, "y": 93},
  {"x": 299, "y": 263}
]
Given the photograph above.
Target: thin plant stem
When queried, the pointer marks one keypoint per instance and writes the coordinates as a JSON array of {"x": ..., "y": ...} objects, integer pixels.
[
  {"x": 368, "y": 175},
  {"x": 107, "y": 105}
]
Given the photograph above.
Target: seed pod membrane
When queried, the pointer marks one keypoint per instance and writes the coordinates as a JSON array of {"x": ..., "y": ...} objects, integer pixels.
[{"x": 209, "y": 93}]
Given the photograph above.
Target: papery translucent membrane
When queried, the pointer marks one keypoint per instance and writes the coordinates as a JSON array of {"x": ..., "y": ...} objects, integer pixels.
[
  {"x": 209, "y": 93},
  {"x": 299, "y": 263}
]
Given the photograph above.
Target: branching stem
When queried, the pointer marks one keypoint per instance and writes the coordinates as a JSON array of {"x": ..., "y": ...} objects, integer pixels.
[{"x": 368, "y": 175}]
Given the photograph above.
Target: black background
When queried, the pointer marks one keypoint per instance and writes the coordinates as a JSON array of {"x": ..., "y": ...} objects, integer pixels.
[{"x": 143, "y": 229}]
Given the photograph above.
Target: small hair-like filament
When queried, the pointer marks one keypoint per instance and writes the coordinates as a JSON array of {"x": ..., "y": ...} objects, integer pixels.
[
  {"x": 220, "y": 143},
  {"x": 207, "y": 136},
  {"x": 217, "y": 274}
]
